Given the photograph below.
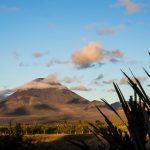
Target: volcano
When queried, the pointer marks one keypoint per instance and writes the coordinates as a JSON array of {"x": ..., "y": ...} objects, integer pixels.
[{"x": 44, "y": 101}]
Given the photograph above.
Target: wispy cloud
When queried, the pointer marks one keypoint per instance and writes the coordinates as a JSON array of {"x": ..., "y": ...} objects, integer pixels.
[
  {"x": 111, "y": 90},
  {"x": 71, "y": 79},
  {"x": 38, "y": 54},
  {"x": 68, "y": 79},
  {"x": 130, "y": 6},
  {"x": 52, "y": 78},
  {"x": 22, "y": 64},
  {"x": 113, "y": 60},
  {"x": 109, "y": 81},
  {"x": 85, "y": 66},
  {"x": 99, "y": 77},
  {"x": 110, "y": 30},
  {"x": 56, "y": 61},
  {"x": 80, "y": 88},
  {"x": 97, "y": 80},
  {"x": 6, "y": 92},
  {"x": 114, "y": 54},
  {"x": 4, "y": 8},
  {"x": 124, "y": 80}
]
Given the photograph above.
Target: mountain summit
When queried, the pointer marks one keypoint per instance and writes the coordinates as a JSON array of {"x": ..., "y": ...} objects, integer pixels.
[{"x": 40, "y": 83}]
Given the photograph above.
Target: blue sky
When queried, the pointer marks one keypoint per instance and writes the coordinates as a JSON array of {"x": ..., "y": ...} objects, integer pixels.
[{"x": 83, "y": 43}]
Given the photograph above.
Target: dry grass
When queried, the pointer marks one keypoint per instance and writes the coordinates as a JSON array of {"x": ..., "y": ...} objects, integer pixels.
[
  {"x": 59, "y": 141},
  {"x": 44, "y": 137}
]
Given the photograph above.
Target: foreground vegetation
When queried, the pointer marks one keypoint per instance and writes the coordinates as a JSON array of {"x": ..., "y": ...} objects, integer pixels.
[
  {"x": 137, "y": 111},
  {"x": 48, "y": 136},
  {"x": 57, "y": 128}
]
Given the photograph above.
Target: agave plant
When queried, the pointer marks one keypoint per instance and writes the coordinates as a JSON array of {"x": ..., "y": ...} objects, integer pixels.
[{"x": 137, "y": 112}]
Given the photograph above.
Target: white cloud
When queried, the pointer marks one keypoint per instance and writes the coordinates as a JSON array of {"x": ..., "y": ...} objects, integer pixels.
[
  {"x": 88, "y": 54},
  {"x": 6, "y": 92},
  {"x": 80, "y": 88},
  {"x": 124, "y": 80},
  {"x": 109, "y": 81},
  {"x": 92, "y": 54},
  {"x": 52, "y": 78},
  {"x": 130, "y": 6},
  {"x": 71, "y": 79}
]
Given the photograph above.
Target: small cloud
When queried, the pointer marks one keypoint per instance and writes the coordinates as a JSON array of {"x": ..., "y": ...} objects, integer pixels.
[
  {"x": 100, "y": 64},
  {"x": 71, "y": 79},
  {"x": 38, "y": 54},
  {"x": 7, "y": 9},
  {"x": 111, "y": 90},
  {"x": 109, "y": 81},
  {"x": 88, "y": 54},
  {"x": 85, "y": 66},
  {"x": 111, "y": 30},
  {"x": 56, "y": 61},
  {"x": 117, "y": 53},
  {"x": 92, "y": 54},
  {"x": 80, "y": 88},
  {"x": 114, "y": 55},
  {"x": 113, "y": 60},
  {"x": 130, "y": 6},
  {"x": 99, "y": 77},
  {"x": 22, "y": 64},
  {"x": 52, "y": 78},
  {"x": 95, "y": 82},
  {"x": 124, "y": 80},
  {"x": 6, "y": 92}
]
